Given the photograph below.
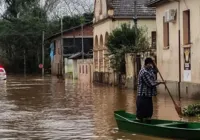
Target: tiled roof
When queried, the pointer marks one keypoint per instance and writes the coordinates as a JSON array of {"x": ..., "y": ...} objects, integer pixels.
[
  {"x": 152, "y": 1},
  {"x": 156, "y": 2},
  {"x": 68, "y": 30},
  {"x": 125, "y": 8}
]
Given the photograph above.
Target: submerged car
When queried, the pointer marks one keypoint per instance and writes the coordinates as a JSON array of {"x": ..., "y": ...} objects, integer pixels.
[{"x": 3, "y": 75}]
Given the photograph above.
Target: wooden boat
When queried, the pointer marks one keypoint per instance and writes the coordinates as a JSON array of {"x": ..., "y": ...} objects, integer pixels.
[{"x": 158, "y": 128}]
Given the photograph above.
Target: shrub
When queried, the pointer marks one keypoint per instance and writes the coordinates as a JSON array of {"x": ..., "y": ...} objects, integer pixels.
[{"x": 192, "y": 110}]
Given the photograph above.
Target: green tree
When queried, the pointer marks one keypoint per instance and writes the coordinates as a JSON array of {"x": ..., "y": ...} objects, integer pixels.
[
  {"x": 21, "y": 29},
  {"x": 15, "y": 7},
  {"x": 123, "y": 40},
  {"x": 76, "y": 20}
]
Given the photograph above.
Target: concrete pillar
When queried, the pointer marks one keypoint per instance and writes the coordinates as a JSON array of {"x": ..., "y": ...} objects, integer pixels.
[
  {"x": 103, "y": 61},
  {"x": 98, "y": 61}
]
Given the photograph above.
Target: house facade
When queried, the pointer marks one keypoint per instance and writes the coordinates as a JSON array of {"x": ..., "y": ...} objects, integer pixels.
[
  {"x": 109, "y": 15},
  {"x": 178, "y": 41},
  {"x": 75, "y": 40}
]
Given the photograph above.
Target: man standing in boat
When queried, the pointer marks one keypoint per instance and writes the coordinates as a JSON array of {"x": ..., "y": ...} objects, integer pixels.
[{"x": 146, "y": 90}]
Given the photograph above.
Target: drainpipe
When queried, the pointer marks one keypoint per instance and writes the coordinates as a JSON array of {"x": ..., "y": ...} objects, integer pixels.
[
  {"x": 179, "y": 52},
  {"x": 179, "y": 47},
  {"x": 82, "y": 49}
]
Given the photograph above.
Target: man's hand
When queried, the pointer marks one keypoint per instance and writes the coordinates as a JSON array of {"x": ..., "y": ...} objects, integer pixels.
[
  {"x": 162, "y": 82},
  {"x": 158, "y": 83}
]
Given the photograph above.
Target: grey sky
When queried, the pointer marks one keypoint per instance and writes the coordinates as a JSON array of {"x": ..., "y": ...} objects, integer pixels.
[{"x": 65, "y": 7}]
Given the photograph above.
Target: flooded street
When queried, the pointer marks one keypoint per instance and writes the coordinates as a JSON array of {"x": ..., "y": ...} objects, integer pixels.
[{"x": 44, "y": 109}]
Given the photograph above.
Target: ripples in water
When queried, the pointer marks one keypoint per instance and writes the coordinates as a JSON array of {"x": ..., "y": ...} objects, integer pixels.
[{"x": 35, "y": 108}]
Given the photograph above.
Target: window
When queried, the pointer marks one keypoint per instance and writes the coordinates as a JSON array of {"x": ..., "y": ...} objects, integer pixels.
[
  {"x": 186, "y": 27},
  {"x": 165, "y": 33},
  {"x": 79, "y": 69},
  {"x": 153, "y": 39},
  {"x": 83, "y": 68},
  {"x": 86, "y": 69}
]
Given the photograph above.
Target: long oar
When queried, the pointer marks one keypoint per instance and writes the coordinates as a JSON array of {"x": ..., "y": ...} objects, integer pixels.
[{"x": 178, "y": 108}]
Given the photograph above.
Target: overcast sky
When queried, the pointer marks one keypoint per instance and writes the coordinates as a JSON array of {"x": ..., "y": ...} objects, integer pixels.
[
  {"x": 75, "y": 6},
  {"x": 2, "y": 8}
]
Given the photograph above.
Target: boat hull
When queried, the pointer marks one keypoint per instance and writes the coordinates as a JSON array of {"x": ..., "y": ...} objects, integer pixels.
[{"x": 158, "y": 128}]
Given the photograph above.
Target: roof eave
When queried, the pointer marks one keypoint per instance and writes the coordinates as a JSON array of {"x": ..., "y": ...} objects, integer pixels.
[
  {"x": 102, "y": 20},
  {"x": 157, "y": 3},
  {"x": 131, "y": 17},
  {"x": 68, "y": 30},
  {"x": 124, "y": 17}
]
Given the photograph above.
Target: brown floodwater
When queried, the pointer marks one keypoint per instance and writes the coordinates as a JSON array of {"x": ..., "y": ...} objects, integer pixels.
[{"x": 36, "y": 108}]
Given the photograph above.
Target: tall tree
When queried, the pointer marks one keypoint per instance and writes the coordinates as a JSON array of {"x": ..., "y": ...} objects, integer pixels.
[
  {"x": 15, "y": 7},
  {"x": 21, "y": 31}
]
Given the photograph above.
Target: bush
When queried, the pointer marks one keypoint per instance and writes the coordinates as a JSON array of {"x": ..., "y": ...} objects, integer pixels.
[
  {"x": 123, "y": 40},
  {"x": 192, "y": 110}
]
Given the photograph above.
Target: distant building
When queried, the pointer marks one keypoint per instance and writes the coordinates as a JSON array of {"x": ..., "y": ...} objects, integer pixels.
[
  {"x": 109, "y": 15},
  {"x": 72, "y": 44}
]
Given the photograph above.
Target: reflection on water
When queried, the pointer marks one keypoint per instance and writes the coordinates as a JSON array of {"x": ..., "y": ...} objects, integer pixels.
[{"x": 36, "y": 108}]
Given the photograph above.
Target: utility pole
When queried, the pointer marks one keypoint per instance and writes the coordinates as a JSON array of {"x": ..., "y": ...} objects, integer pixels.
[
  {"x": 82, "y": 43},
  {"x": 24, "y": 62},
  {"x": 62, "y": 61},
  {"x": 43, "y": 54},
  {"x": 134, "y": 55},
  {"x": 135, "y": 15}
]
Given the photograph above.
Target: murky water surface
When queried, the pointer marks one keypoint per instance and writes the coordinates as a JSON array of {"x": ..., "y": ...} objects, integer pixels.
[{"x": 36, "y": 108}]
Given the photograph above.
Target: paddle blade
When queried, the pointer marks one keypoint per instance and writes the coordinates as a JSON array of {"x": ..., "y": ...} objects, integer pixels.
[{"x": 178, "y": 110}]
